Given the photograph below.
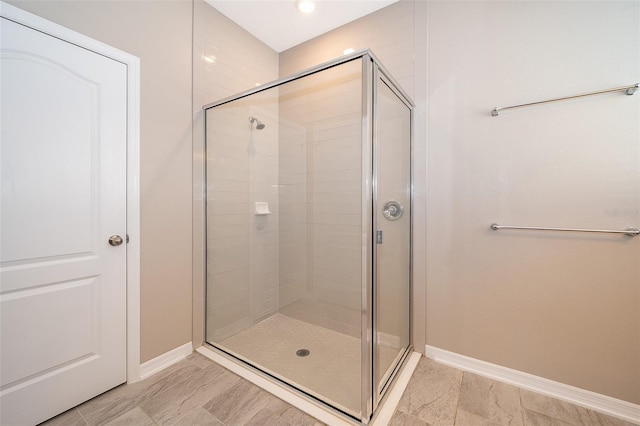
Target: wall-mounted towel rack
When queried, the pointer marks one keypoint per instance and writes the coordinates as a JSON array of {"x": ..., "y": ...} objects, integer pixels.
[
  {"x": 627, "y": 90},
  {"x": 632, "y": 232}
]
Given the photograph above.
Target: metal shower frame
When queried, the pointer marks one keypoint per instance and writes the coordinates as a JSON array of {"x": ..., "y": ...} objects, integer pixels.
[{"x": 372, "y": 72}]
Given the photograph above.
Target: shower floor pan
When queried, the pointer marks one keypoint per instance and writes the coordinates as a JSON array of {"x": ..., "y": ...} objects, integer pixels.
[{"x": 331, "y": 371}]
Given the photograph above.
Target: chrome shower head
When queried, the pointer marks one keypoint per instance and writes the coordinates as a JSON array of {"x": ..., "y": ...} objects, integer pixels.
[{"x": 259, "y": 124}]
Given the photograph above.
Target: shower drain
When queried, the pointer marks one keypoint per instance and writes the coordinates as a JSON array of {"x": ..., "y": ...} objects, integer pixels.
[{"x": 303, "y": 352}]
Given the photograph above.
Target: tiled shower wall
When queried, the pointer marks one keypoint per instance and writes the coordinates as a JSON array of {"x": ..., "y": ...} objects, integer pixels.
[
  {"x": 320, "y": 198},
  {"x": 390, "y": 33},
  {"x": 315, "y": 243},
  {"x": 228, "y": 60}
]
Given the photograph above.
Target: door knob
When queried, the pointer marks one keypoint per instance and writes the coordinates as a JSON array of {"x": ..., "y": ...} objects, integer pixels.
[
  {"x": 392, "y": 210},
  {"x": 115, "y": 240}
]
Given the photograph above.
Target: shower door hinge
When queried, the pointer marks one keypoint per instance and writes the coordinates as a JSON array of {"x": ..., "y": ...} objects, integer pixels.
[{"x": 379, "y": 236}]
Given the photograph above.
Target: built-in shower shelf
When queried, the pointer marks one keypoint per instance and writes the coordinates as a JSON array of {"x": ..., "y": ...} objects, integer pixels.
[{"x": 262, "y": 208}]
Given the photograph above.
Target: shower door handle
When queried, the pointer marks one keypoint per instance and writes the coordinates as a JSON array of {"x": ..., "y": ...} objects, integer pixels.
[{"x": 392, "y": 210}]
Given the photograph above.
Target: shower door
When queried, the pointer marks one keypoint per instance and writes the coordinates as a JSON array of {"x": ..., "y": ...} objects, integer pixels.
[{"x": 392, "y": 224}]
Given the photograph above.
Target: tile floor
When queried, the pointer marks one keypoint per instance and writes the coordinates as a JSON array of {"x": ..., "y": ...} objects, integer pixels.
[
  {"x": 441, "y": 395},
  {"x": 331, "y": 370},
  {"x": 197, "y": 391}
]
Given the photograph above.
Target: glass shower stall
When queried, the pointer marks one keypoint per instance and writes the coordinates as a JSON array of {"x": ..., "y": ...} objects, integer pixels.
[{"x": 308, "y": 231}]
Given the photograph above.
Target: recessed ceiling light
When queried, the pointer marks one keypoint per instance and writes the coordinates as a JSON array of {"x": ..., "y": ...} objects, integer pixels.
[
  {"x": 348, "y": 51},
  {"x": 305, "y": 6}
]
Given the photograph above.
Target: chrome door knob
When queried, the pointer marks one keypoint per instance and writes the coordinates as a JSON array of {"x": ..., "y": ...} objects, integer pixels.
[
  {"x": 392, "y": 210},
  {"x": 115, "y": 240}
]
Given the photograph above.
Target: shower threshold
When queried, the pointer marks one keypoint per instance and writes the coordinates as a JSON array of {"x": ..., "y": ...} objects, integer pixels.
[
  {"x": 321, "y": 362},
  {"x": 321, "y": 411}
]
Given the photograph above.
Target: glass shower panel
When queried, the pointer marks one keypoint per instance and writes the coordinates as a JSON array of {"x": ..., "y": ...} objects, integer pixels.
[
  {"x": 284, "y": 232},
  {"x": 392, "y": 153},
  {"x": 242, "y": 245}
]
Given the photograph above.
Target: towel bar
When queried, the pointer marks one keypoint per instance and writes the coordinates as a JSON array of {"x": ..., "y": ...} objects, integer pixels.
[{"x": 632, "y": 232}]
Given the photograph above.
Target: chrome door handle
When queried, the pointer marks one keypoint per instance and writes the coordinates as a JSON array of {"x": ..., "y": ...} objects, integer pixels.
[
  {"x": 115, "y": 240},
  {"x": 392, "y": 210}
]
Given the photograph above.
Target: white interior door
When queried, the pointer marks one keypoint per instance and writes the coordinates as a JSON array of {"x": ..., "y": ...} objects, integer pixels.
[{"x": 63, "y": 179}]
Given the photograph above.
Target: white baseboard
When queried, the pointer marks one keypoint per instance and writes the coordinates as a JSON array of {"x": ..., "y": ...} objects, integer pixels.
[
  {"x": 163, "y": 361},
  {"x": 584, "y": 398}
]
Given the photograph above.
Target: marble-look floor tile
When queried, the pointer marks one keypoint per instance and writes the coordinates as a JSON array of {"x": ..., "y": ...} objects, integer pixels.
[
  {"x": 432, "y": 393},
  {"x": 495, "y": 402},
  {"x": 531, "y": 418},
  {"x": 134, "y": 417},
  {"x": 566, "y": 412},
  {"x": 465, "y": 418},
  {"x": 190, "y": 394},
  {"x": 266, "y": 417},
  {"x": 403, "y": 419},
  {"x": 553, "y": 408},
  {"x": 291, "y": 414},
  {"x": 109, "y": 405},
  {"x": 603, "y": 419},
  {"x": 115, "y": 402},
  {"x": 68, "y": 418},
  {"x": 196, "y": 417},
  {"x": 197, "y": 392},
  {"x": 298, "y": 418},
  {"x": 198, "y": 360},
  {"x": 277, "y": 406},
  {"x": 238, "y": 404}
]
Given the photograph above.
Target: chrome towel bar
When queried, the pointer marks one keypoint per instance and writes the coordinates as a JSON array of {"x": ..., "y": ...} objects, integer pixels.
[
  {"x": 628, "y": 90},
  {"x": 632, "y": 232}
]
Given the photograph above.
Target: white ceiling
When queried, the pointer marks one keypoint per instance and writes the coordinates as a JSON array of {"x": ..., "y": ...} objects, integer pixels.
[{"x": 280, "y": 25}]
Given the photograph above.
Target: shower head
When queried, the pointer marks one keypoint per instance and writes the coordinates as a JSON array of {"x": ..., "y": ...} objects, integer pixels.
[{"x": 259, "y": 124}]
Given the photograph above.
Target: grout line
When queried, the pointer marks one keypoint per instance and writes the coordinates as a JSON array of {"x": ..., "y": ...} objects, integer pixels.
[
  {"x": 81, "y": 416},
  {"x": 145, "y": 413},
  {"x": 521, "y": 406},
  {"x": 455, "y": 415}
]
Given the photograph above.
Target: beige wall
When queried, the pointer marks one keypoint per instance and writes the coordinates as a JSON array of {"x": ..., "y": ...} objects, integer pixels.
[
  {"x": 561, "y": 306},
  {"x": 159, "y": 33}
]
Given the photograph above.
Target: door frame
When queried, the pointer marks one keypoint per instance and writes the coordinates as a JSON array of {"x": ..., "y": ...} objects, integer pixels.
[
  {"x": 380, "y": 392},
  {"x": 133, "y": 164}
]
